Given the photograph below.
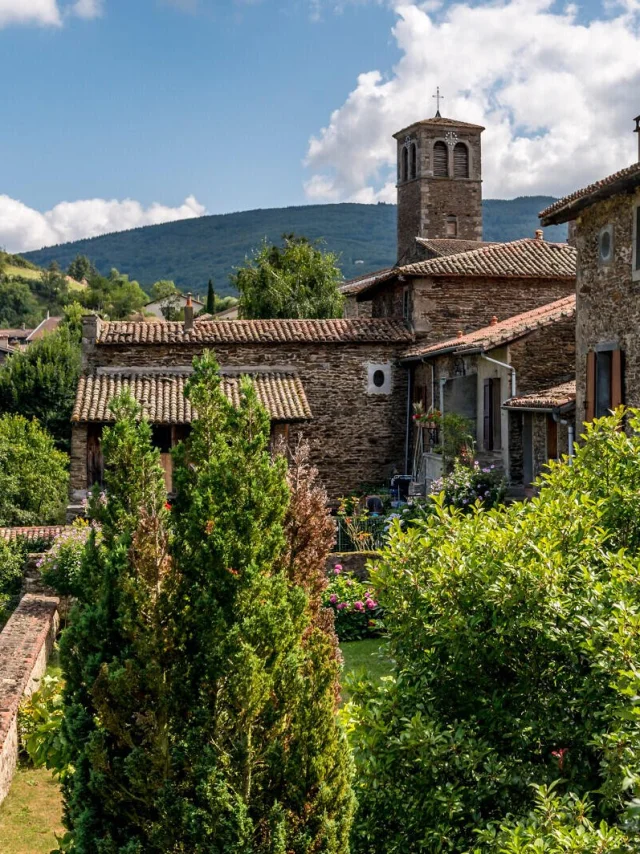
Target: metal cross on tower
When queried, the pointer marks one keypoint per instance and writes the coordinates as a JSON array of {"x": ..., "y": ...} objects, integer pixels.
[{"x": 438, "y": 98}]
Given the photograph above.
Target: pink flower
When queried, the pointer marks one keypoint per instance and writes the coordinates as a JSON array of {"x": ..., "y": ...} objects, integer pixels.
[
  {"x": 358, "y": 606},
  {"x": 371, "y": 604},
  {"x": 333, "y": 598},
  {"x": 559, "y": 755},
  {"x": 337, "y": 569},
  {"x": 342, "y": 606},
  {"x": 349, "y": 582}
]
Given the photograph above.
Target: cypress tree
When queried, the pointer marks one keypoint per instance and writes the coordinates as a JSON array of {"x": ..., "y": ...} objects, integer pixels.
[
  {"x": 211, "y": 298},
  {"x": 259, "y": 765},
  {"x": 115, "y": 722}
]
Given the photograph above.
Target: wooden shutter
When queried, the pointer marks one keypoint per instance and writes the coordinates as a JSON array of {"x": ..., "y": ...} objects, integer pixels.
[
  {"x": 590, "y": 402},
  {"x": 440, "y": 160},
  {"x": 617, "y": 378},
  {"x": 552, "y": 438},
  {"x": 460, "y": 161}
]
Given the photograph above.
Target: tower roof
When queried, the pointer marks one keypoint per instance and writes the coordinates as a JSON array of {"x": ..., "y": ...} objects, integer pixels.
[{"x": 438, "y": 121}]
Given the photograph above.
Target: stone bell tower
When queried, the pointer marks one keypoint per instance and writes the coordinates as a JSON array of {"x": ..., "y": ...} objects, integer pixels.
[{"x": 439, "y": 183}]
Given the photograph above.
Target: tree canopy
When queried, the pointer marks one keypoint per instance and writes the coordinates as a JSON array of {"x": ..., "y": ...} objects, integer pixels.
[{"x": 297, "y": 280}]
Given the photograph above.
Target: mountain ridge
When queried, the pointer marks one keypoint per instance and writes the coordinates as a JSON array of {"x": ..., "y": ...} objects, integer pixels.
[{"x": 191, "y": 251}]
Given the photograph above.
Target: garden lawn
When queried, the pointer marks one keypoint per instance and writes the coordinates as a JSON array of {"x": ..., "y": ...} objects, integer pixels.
[
  {"x": 365, "y": 655},
  {"x": 31, "y": 814}
]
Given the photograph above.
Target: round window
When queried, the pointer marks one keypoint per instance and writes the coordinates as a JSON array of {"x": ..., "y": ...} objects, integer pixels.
[
  {"x": 605, "y": 245},
  {"x": 378, "y": 378}
]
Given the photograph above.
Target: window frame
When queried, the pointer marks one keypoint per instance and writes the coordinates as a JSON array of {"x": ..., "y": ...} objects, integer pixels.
[
  {"x": 440, "y": 145},
  {"x": 608, "y": 261}
]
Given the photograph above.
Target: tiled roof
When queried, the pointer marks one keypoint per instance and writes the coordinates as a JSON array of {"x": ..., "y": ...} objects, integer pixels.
[
  {"x": 162, "y": 399},
  {"x": 47, "y": 325},
  {"x": 451, "y": 246},
  {"x": 361, "y": 283},
  {"x": 35, "y": 532},
  {"x": 340, "y": 330},
  {"x": 502, "y": 332},
  {"x": 15, "y": 333},
  {"x": 549, "y": 398},
  {"x": 526, "y": 258},
  {"x": 439, "y": 121},
  {"x": 568, "y": 208}
]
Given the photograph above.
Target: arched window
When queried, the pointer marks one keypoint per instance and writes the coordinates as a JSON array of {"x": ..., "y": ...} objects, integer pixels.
[
  {"x": 404, "y": 172},
  {"x": 460, "y": 161},
  {"x": 414, "y": 160},
  {"x": 451, "y": 228},
  {"x": 440, "y": 160}
]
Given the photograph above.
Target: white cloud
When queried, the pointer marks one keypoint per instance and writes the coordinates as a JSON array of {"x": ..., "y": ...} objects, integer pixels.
[
  {"x": 22, "y": 228},
  {"x": 555, "y": 95},
  {"x": 46, "y": 13}
]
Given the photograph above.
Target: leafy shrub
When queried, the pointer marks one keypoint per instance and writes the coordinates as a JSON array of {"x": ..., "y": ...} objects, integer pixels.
[
  {"x": 357, "y": 615},
  {"x": 40, "y": 727},
  {"x": 11, "y": 571},
  {"x": 468, "y": 484},
  {"x": 61, "y": 565},
  {"x": 516, "y": 637}
]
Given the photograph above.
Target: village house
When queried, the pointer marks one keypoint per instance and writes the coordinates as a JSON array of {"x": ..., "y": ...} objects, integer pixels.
[
  {"x": 604, "y": 223},
  {"x": 172, "y": 304},
  {"x": 348, "y": 385}
]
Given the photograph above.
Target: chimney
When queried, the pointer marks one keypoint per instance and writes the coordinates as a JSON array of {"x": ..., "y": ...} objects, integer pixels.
[
  {"x": 188, "y": 314},
  {"x": 90, "y": 333},
  {"x": 494, "y": 320},
  {"x": 539, "y": 234},
  {"x": 637, "y": 130},
  {"x": 460, "y": 333}
]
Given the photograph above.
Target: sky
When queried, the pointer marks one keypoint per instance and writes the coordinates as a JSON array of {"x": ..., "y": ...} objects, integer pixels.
[{"x": 120, "y": 113}]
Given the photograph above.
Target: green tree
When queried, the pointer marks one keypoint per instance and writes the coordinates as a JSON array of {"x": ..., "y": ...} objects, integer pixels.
[
  {"x": 18, "y": 305},
  {"x": 11, "y": 573},
  {"x": 518, "y": 660},
  {"x": 258, "y": 762},
  {"x": 33, "y": 474},
  {"x": 81, "y": 268},
  {"x": 115, "y": 724},
  {"x": 115, "y": 296},
  {"x": 296, "y": 280},
  {"x": 211, "y": 299},
  {"x": 163, "y": 289},
  {"x": 41, "y": 382}
]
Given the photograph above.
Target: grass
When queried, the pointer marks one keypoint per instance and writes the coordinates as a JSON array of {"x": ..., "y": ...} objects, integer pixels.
[
  {"x": 367, "y": 656},
  {"x": 31, "y": 813},
  {"x": 23, "y": 272}
]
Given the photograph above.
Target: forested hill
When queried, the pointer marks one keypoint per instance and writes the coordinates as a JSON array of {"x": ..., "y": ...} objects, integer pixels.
[{"x": 191, "y": 251}]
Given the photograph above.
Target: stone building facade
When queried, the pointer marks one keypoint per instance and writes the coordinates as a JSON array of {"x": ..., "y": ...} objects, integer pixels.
[
  {"x": 605, "y": 221},
  {"x": 337, "y": 383}
]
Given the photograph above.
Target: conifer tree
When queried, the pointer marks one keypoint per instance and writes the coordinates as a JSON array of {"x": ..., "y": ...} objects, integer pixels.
[
  {"x": 255, "y": 768},
  {"x": 115, "y": 721},
  {"x": 211, "y": 298}
]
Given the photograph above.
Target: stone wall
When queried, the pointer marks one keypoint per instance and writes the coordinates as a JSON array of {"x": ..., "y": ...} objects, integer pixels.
[
  {"x": 545, "y": 357},
  {"x": 25, "y": 644},
  {"x": 355, "y": 436},
  {"x": 354, "y": 563},
  {"x": 608, "y": 297}
]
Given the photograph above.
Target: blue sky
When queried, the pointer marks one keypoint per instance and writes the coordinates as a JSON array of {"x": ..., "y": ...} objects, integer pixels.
[{"x": 124, "y": 112}]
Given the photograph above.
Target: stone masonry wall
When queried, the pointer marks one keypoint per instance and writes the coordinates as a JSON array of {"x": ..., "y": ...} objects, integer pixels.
[
  {"x": 442, "y": 306},
  {"x": 545, "y": 357},
  {"x": 25, "y": 644},
  {"x": 355, "y": 436},
  {"x": 608, "y": 298}
]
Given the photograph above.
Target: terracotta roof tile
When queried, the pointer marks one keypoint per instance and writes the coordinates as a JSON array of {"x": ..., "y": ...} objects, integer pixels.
[
  {"x": 568, "y": 208},
  {"x": 526, "y": 258},
  {"x": 162, "y": 399},
  {"x": 439, "y": 121},
  {"x": 15, "y": 333},
  {"x": 501, "y": 333},
  {"x": 452, "y": 246},
  {"x": 549, "y": 398},
  {"x": 340, "y": 330},
  {"x": 361, "y": 283},
  {"x": 49, "y": 324},
  {"x": 35, "y": 532}
]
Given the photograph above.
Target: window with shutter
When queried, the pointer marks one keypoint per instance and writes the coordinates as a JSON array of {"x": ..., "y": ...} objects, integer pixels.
[
  {"x": 590, "y": 402},
  {"x": 617, "y": 378},
  {"x": 461, "y": 161},
  {"x": 440, "y": 160}
]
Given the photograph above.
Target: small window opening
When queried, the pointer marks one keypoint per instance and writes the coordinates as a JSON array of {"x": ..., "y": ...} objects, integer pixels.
[
  {"x": 637, "y": 259},
  {"x": 440, "y": 160},
  {"x": 405, "y": 304},
  {"x": 414, "y": 160},
  {"x": 378, "y": 378},
  {"x": 405, "y": 164},
  {"x": 452, "y": 226},
  {"x": 460, "y": 161}
]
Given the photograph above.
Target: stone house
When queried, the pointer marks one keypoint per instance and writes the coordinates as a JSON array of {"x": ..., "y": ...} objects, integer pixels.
[
  {"x": 338, "y": 383},
  {"x": 175, "y": 302},
  {"x": 541, "y": 429},
  {"x": 605, "y": 226},
  {"x": 473, "y": 374}
]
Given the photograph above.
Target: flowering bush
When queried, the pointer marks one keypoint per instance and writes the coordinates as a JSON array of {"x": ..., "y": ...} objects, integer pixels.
[
  {"x": 468, "y": 484},
  {"x": 356, "y": 610},
  {"x": 60, "y": 566}
]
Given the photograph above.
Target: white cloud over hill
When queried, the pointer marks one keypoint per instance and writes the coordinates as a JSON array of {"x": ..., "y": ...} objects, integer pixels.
[
  {"x": 47, "y": 13},
  {"x": 556, "y": 97},
  {"x": 22, "y": 228}
]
